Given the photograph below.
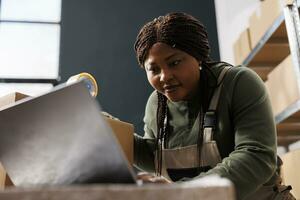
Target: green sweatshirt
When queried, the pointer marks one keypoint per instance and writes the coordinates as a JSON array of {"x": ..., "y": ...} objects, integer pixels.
[{"x": 245, "y": 132}]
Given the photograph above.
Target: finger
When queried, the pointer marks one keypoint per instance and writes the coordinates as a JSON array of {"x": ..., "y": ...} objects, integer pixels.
[
  {"x": 144, "y": 176},
  {"x": 159, "y": 180}
]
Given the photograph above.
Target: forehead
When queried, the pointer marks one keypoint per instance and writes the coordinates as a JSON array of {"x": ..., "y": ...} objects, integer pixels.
[
  {"x": 162, "y": 48},
  {"x": 161, "y": 51}
]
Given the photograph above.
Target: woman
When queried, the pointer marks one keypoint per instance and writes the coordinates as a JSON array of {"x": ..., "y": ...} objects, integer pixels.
[{"x": 204, "y": 117}]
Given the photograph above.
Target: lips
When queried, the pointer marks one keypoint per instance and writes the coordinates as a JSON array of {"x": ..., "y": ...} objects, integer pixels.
[{"x": 170, "y": 88}]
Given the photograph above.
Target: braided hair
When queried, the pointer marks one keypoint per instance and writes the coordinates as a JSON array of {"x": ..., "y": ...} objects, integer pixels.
[{"x": 180, "y": 31}]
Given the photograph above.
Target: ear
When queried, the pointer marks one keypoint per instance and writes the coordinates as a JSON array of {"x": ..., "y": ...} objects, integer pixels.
[{"x": 200, "y": 65}]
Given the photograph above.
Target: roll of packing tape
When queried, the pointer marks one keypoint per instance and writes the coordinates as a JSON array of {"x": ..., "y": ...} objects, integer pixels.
[{"x": 89, "y": 81}]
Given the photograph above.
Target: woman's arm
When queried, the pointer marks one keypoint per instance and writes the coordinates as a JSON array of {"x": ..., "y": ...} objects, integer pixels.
[
  {"x": 144, "y": 147},
  {"x": 253, "y": 161},
  {"x": 143, "y": 153}
]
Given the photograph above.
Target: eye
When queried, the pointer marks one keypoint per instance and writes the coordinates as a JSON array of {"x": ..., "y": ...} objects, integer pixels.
[
  {"x": 174, "y": 63},
  {"x": 153, "y": 69}
]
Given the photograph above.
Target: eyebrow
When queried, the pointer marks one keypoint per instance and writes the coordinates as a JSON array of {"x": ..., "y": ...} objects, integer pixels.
[
  {"x": 167, "y": 58},
  {"x": 150, "y": 64},
  {"x": 172, "y": 55}
]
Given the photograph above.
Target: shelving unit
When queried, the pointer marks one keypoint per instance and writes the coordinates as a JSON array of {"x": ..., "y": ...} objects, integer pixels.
[{"x": 279, "y": 41}]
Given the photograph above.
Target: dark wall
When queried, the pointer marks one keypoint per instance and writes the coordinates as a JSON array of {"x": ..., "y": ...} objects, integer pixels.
[{"x": 97, "y": 36}]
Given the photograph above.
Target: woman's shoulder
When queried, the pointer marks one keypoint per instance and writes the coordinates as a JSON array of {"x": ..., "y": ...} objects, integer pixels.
[
  {"x": 152, "y": 99},
  {"x": 217, "y": 67},
  {"x": 235, "y": 73},
  {"x": 150, "y": 113},
  {"x": 240, "y": 79},
  {"x": 151, "y": 105},
  {"x": 245, "y": 74}
]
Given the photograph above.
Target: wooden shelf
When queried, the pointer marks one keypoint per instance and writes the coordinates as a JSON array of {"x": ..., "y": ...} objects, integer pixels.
[
  {"x": 286, "y": 140},
  {"x": 275, "y": 32},
  {"x": 292, "y": 128},
  {"x": 293, "y": 118},
  {"x": 274, "y": 49},
  {"x": 279, "y": 34},
  {"x": 271, "y": 55},
  {"x": 288, "y": 131}
]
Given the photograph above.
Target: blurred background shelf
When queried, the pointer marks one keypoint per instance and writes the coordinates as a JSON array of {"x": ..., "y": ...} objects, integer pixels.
[{"x": 276, "y": 47}]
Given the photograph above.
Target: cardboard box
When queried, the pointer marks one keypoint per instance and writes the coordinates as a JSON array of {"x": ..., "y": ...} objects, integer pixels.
[
  {"x": 272, "y": 93},
  {"x": 267, "y": 85},
  {"x": 242, "y": 47},
  {"x": 261, "y": 20},
  {"x": 11, "y": 98},
  {"x": 262, "y": 71},
  {"x": 290, "y": 171},
  {"x": 283, "y": 86},
  {"x": 124, "y": 134},
  {"x": 4, "y": 178}
]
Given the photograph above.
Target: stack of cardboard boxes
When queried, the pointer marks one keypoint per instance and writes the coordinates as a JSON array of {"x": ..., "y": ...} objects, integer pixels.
[
  {"x": 259, "y": 23},
  {"x": 242, "y": 46},
  {"x": 278, "y": 72},
  {"x": 262, "y": 19},
  {"x": 123, "y": 132},
  {"x": 282, "y": 86}
]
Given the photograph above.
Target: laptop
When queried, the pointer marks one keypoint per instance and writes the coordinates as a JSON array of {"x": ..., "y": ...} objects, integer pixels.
[{"x": 60, "y": 138}]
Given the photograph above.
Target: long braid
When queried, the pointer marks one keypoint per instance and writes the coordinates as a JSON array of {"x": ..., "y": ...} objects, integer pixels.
[
  {"x": 204, "y": 101},
  {"x": 162, "y": 110}
]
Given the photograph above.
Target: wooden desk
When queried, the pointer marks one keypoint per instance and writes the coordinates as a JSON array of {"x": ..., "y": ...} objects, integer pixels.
[{"x": 211, "y": 190}]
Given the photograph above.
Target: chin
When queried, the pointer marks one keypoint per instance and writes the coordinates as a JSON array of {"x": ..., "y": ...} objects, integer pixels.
[{"x": 175, "y": 98}]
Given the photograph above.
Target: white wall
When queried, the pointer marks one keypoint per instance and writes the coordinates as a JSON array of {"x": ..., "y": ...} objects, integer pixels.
[{"x": 232, "y": 18}]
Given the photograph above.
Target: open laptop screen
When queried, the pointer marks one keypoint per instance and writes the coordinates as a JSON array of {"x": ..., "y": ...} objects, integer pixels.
[{"x": 60, "y": 138}]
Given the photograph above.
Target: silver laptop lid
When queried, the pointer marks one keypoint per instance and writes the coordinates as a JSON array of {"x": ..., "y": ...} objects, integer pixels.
[{"x": 60, "y": 138}]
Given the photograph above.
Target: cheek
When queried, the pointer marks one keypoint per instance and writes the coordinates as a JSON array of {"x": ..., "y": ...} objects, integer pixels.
[
  {"x": 153, "y": 81},
  {"x": 196, "y": 75},
  {"x": 191, "y": 78}
]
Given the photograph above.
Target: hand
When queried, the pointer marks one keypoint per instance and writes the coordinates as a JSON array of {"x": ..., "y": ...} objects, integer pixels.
[{"x": 152, "y": 178}]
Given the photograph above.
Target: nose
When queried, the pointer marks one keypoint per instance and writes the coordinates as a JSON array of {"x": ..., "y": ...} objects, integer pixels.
[{"x": 166, "y": 75}]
